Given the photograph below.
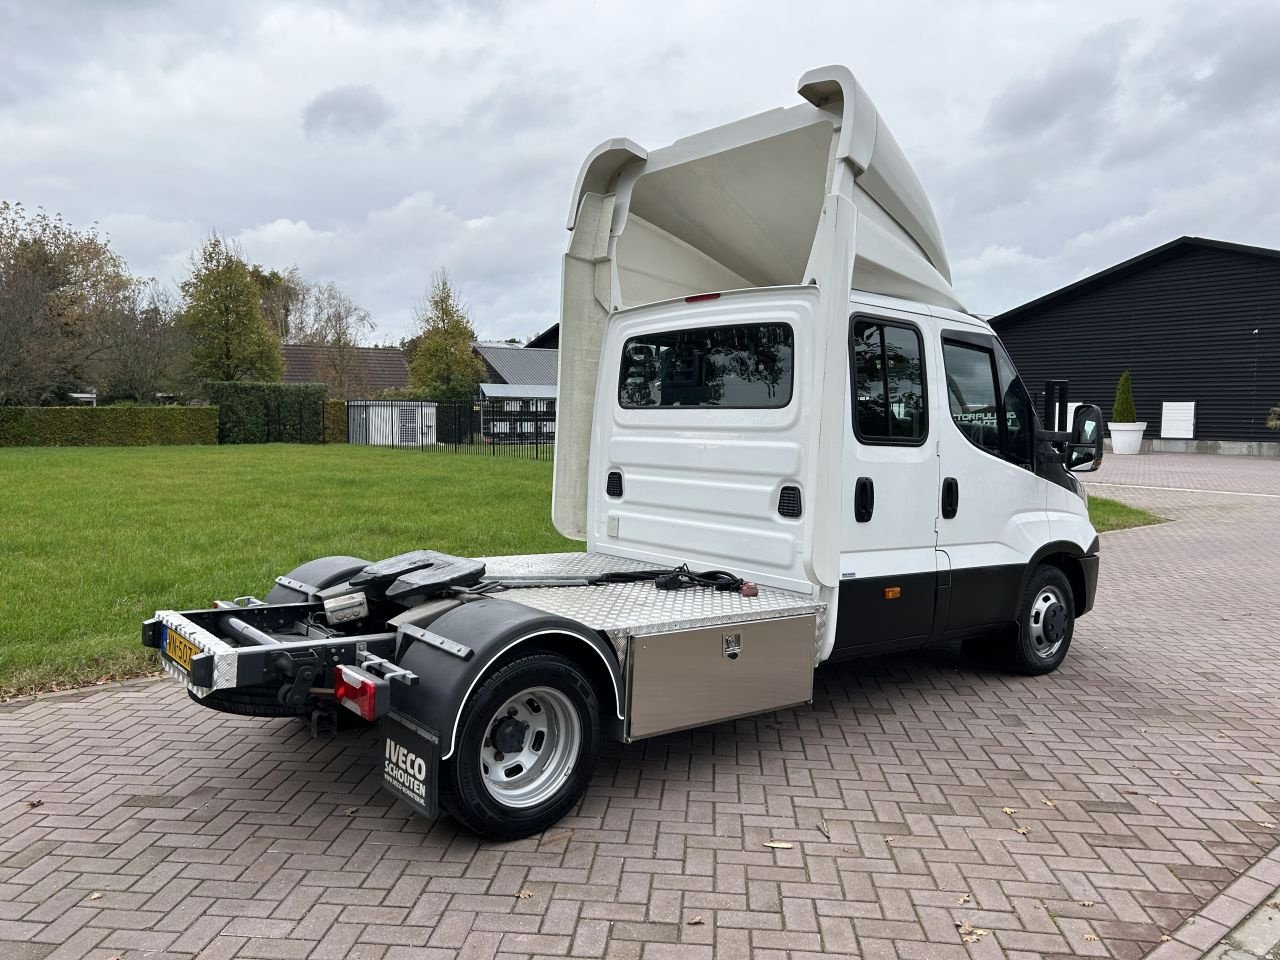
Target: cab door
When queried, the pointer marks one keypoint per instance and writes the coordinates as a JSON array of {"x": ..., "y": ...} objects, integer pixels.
[
  {"x": 993, "y": 514},
  {"x": 888, "y": 566}
]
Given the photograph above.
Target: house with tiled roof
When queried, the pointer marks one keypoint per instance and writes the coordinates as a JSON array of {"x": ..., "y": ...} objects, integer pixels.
[{"x": 351, "y": 372}]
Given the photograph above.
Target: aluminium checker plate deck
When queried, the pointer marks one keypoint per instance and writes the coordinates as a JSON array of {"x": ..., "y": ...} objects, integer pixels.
[{"x": 624, "y": 610}]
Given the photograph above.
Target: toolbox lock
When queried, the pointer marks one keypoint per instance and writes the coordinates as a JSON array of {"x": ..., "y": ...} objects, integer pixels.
[{"x": 732, "y": 645}]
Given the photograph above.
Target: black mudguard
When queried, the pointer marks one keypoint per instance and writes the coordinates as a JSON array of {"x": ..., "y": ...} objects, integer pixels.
[
  {"x": 1086, "y": 584},
  {"x": 486, "y": 630}
]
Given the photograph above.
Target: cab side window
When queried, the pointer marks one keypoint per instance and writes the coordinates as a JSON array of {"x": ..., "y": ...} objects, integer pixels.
[
  {"x": 988, "y": 401},
  {"x": 889, "y": 401},
  {"x": 971, "y": 394},
  {"x": 1019, "y": 413}
]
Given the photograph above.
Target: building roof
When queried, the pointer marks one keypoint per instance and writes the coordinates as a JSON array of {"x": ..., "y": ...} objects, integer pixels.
[
  {"x": 518, "y": 391},
  {"x": 515, "y": 364},
  {"x": 379, "y": 368},
  {"x": 549, "y": 337},
  {"x": 1167, "y": 251}
]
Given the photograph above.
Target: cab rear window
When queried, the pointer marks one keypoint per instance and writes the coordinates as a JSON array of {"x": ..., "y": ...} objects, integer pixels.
[{"x": 743, "y": 366}]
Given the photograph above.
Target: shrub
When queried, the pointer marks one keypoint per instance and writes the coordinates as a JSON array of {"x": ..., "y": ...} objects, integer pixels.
[
  {"x": 1273, "y": 419},
  {"x": 251, "y": 412},
  {"x": 1123, "y": 410},
  {"x": 107, "y": 426},
  {"x": 335, "y": 421},
  {"x": 457, "y": 421}
]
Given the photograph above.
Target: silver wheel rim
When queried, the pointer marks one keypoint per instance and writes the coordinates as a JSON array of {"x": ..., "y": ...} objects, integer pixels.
[
  {"x": 549, "y": 732},
  {"x": 1043, "y": 639}
]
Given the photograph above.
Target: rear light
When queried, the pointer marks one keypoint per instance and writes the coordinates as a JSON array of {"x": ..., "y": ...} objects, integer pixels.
[
  {"x": 360, "y": 692},
  {"x": 699, "y": 297}
]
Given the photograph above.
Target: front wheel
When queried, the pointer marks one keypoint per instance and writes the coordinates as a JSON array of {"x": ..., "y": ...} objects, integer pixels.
[
  {"x": 527, "y": 745},
  {"x": 1046, "y": 621}
]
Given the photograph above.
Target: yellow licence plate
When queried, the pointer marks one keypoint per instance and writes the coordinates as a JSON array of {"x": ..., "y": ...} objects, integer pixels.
[{"x": 179, "y": 649}]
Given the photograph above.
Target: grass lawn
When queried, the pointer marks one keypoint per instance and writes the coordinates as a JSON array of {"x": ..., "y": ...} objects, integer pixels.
[
  {"x": 1114, "y": 515},
  {"x": 94, "y": 540}
]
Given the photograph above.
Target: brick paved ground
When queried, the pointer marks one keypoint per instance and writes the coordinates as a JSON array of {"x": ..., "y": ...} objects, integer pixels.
[{"x": 1144, "y": 774}]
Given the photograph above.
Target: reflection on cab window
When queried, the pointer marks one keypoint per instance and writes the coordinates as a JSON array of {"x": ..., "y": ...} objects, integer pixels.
[
  {"x": 1019, "y": 413},
  {"x": 982, "y": 386},
  {"x": 740, "y": 366},
  {"x": 888, "y": 379}
]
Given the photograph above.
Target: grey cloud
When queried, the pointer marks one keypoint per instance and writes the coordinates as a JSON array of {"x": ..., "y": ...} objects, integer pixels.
[
  {"x": 1224, "y": 61},
  {"x": 1207, "y": 77},
  {"x": 353, "y": 109},
  {"x": 1050, "y": 145},
  {"x": 1073, "y": 91}
]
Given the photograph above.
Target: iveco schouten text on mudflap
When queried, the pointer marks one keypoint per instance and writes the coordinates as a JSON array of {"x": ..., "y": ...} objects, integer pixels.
[{"x": 783, "y": 442}]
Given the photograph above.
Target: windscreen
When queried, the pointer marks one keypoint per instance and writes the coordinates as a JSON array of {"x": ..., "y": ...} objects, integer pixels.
[{"x": 745, "y": 366}]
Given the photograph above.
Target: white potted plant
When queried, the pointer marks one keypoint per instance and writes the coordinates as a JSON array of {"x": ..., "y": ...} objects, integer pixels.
[{"x": 1125, "y": 427}]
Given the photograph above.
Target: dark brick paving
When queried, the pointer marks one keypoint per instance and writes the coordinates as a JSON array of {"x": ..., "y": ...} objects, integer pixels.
[{"x": 1144, "y": 774}]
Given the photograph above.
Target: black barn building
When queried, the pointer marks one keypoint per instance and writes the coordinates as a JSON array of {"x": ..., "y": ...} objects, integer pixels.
[{"x": 1192, "y": 320}]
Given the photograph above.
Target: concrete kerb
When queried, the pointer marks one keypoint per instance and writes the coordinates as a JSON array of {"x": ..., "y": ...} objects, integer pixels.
[
  {"x": 1235, "y": 920},
  {"x": 78, "y": 693}
]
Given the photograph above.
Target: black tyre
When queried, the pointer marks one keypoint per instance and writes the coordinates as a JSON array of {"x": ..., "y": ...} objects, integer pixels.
[
  {"x": 264, "y": 701},
  {"x": 1046, "y": 621},
  {"x": 259, "y": 701},
  {"x": 527, "y": 745}
]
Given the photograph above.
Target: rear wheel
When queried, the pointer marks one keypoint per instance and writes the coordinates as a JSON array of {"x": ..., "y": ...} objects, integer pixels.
[{"x": 526, "y": 747}]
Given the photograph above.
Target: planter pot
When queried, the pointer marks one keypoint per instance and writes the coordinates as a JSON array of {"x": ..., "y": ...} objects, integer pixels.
[{"x": 1126, "y": 437}]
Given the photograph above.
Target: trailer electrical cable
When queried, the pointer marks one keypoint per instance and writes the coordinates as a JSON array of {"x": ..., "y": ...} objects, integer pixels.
[{"x": 667, "y": 578}]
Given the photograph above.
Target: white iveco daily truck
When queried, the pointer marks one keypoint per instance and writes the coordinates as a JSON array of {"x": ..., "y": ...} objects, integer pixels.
[{"x": 783, "y": 442}]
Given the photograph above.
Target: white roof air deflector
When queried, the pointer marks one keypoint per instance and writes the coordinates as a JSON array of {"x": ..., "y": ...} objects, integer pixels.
[
  {"x": 600, "y": 169},
  {"x": 817, "y": 192},
  {"x": 744, "y": 216}
]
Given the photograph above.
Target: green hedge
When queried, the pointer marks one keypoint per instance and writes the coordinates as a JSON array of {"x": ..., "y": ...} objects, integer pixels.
[
  {"x": 106, "y": 426},
  {"x": 268, "y": 412},
  {"x": 335, "y": 421}
]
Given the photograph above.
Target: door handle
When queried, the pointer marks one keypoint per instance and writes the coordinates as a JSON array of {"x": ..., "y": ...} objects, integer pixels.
[
  {"x": 864, "y": 499},
  {"x": 950, "y": 498}
]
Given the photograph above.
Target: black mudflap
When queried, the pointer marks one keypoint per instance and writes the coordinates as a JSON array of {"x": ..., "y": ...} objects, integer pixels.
[{"x": 411, "y": 762}]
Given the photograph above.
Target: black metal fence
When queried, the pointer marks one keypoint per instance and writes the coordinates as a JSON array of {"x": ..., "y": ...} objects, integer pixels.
[{"x": 517, "y": 428}]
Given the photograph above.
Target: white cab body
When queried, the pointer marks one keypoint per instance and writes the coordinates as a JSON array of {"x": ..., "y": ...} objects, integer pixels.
[{"x": 764, "y": 369}]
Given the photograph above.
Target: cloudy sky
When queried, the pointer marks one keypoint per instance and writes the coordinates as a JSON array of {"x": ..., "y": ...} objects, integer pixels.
[{"x": 370, "y": 143}]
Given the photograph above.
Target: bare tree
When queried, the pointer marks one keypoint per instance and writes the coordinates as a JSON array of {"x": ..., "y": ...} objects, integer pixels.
[
  {"x": 142, "y": 350},
  {"x": 283, "y": 295},
  {"x": 334, "y": 322}
]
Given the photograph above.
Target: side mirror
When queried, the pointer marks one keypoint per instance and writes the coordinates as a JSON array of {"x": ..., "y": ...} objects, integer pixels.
[{"x": 1084, "y": 452}]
